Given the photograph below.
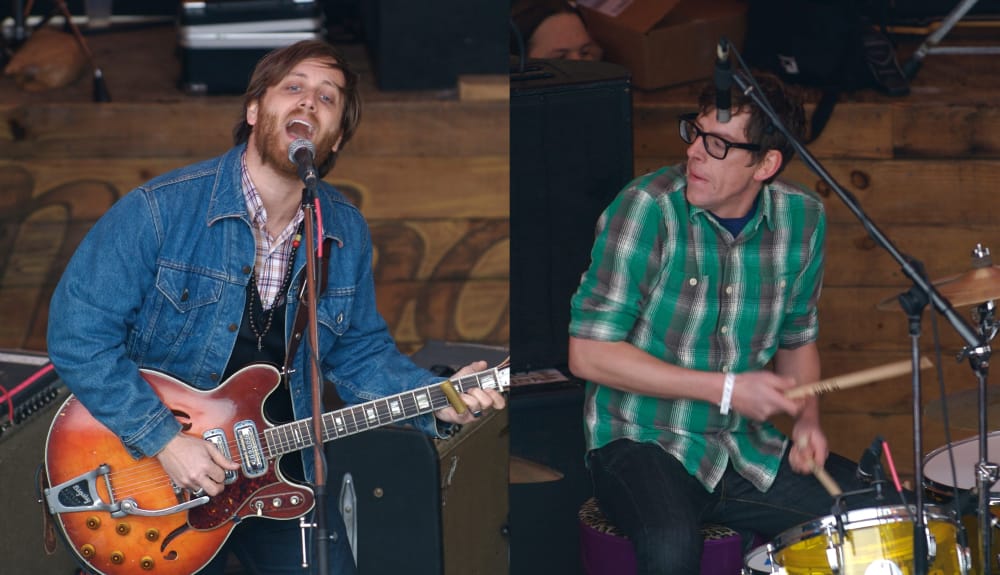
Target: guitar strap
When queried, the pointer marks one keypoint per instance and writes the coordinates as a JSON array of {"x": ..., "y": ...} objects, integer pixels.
[
  {"x": 48, "y": 525},
  {"x": 302, "y": 320}
]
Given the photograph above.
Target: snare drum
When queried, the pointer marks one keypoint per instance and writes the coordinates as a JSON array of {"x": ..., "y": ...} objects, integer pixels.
[
  {"x": 937, "y": 466},
  {"x": 868, "y": 541}
]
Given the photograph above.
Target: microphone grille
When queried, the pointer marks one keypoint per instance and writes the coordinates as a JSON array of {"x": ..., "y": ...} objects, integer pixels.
[{"x": 299, "y": 144}]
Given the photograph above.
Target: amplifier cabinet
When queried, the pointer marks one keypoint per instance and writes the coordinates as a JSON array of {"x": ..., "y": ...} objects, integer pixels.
[
  {"x": 21, "y": 537},
  {"x": 424, "y": 506}
]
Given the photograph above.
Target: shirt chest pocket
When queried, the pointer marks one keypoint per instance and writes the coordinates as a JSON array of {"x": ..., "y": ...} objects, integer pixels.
[
  {"x": 184, "y": 296},
  {"x": 770, "y": 291}
]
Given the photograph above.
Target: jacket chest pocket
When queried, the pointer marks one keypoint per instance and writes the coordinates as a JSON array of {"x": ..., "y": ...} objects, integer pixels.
[
  {"x": 184, "y": 296},
  {"x": 335, "y": 310}
]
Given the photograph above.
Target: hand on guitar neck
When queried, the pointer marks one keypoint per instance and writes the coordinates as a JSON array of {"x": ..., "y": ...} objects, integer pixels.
[
  {"x": 476, "y": 399},
  {"x": 195, "y": 464}
]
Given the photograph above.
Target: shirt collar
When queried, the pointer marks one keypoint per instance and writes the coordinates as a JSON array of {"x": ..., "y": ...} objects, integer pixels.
[{"x": 765, "y": 212}]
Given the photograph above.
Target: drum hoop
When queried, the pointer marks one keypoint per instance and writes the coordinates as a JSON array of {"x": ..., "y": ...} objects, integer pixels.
[{"x": 856, "y": 519}]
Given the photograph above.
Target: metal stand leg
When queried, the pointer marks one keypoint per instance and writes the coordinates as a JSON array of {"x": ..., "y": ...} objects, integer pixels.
[{"x": 930, "y": 44}]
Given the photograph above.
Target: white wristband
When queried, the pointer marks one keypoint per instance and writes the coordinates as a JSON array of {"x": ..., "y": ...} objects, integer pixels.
[{"x": 727, "y": 393}]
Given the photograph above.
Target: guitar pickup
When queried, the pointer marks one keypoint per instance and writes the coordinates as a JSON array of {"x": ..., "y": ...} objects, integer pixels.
[
  {"x": 251, "y": 451},
  {"x": 217, "y": 437}
]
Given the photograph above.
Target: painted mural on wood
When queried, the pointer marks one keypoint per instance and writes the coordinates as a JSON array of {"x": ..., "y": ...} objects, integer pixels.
[{"x": 436, "y": 279}]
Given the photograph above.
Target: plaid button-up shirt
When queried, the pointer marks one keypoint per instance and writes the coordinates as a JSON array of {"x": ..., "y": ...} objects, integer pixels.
[
  {"x": 667, "y": 278},
  {"x": 272, "y": 253}
]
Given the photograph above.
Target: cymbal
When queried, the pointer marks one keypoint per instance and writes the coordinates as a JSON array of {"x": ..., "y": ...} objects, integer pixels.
[
  {"x": 963, "y": 408},
  {"x": 973, "y": 287}
]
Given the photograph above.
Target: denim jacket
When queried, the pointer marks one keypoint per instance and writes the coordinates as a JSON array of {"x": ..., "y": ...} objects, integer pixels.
[{"x": 159, "y": 282}]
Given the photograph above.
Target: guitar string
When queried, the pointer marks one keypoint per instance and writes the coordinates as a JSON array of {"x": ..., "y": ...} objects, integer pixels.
[
  {"x": 124, "y": 485},
  {"x": 122, "y": 488}
]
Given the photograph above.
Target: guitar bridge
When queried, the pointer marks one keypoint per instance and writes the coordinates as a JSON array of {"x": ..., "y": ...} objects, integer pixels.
[{"x": 80, "y": 494}]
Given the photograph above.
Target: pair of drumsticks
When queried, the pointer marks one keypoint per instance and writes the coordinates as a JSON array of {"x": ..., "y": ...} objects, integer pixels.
[{"x": 855, "y": 379}]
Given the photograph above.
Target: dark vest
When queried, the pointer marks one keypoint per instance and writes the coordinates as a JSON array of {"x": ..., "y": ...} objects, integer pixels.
[{"x": 279, "y": 408}]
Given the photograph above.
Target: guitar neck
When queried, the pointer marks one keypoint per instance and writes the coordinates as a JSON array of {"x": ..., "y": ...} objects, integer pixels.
[{"x": 298, "y": 435}]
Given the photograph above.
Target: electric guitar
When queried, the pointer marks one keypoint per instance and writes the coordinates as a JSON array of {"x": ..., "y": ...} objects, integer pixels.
[{"x": 125, "y": 516}]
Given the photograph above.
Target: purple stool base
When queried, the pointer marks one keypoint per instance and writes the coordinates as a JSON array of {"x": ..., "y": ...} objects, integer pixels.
[{"x": 604, "y": 551}]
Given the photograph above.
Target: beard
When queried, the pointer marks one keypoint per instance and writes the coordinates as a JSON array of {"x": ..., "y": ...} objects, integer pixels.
[{"x": 269, "y": 140}]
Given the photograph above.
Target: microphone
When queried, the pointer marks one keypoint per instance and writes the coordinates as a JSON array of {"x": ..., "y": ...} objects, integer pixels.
[
  {"x": 870, "y": 466},
  {"x": 723, "y": 81},
  {"x": 301, "y": 153},
  {"x": 869, "y": 459}
]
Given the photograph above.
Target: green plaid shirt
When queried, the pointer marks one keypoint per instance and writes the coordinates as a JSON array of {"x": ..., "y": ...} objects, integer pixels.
[{"x": 667, "y": 278}]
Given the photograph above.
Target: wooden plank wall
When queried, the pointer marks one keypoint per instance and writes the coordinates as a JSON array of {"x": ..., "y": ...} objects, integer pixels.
[
  {"x": 924, "y": 168},
  {"x": 429, "y": 171}
]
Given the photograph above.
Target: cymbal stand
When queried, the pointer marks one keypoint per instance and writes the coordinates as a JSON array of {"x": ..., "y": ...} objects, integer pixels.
[
  {"x": 986, "y": 472},
  {"x": 913, "y": 303}
]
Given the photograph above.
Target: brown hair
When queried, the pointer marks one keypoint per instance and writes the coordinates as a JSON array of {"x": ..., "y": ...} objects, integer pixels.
[
  {"x": 528, "y": 15},
  {"x": 787, "y": 104},
  {"x": 273, "y": 67}
]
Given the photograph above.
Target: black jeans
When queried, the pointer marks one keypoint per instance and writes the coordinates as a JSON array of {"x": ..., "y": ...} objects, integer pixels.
[
  {"x": 274, "y": 546},
  {"x": 651, "y": 497}
]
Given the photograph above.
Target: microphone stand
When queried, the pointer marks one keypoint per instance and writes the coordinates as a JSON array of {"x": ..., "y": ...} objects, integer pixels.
[
  {"x": 941, "y": 304},
  {"x": 319, "y": 473}
]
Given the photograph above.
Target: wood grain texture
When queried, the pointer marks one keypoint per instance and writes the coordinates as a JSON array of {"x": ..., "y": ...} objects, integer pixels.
[{"x": 429, "y": 172}]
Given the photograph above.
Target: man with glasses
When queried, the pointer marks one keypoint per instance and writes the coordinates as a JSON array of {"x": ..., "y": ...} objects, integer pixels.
[{"x": 697, "y": 314}]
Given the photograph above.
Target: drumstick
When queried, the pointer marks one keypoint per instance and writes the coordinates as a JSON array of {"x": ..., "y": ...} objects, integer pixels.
[
  {"x": 824, "y": 478},
  {"x": 818, "y": 471},
  {"x": 857, "y": 378}
]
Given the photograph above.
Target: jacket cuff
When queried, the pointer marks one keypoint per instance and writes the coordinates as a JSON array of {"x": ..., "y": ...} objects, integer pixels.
[{"x": 154, "y": 436}]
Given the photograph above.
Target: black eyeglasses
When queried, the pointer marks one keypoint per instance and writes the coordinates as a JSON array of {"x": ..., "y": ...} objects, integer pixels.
[{"x": 716, "y": 146}]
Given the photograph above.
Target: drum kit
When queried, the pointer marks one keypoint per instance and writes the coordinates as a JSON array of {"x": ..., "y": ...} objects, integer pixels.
[{"x": 880, "y": 540}]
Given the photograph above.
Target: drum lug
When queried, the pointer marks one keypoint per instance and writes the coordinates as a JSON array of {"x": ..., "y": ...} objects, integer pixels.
[
  {"x": 834, "y": 550},
  {"x": 931, "y": 545},
  {"x": 964, "y": 555}
]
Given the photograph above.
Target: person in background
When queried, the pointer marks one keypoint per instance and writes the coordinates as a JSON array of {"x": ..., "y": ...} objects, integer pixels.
[
  {"x": 697, "y": 313},
  {"x": 553, "y": 29},
  {"x": 198, "y": 273}
]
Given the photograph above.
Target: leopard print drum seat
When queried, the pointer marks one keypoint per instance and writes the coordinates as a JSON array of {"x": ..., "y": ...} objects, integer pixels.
[{"x": 604, "y": 550}]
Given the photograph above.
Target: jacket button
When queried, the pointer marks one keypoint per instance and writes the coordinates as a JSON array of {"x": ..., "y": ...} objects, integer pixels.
[
  {"x": 185, "y": 295},
  {"x": 247, "y": 270},
  {"x": 298, "y": 336},
  {"x": 340, "y": 318},
  {"x": 233, "y": 327},
  {"x": 213, "y": 376}
]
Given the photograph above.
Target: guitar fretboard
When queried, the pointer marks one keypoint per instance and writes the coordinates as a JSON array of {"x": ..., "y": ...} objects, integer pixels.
[{"x": 298, "y": 435}]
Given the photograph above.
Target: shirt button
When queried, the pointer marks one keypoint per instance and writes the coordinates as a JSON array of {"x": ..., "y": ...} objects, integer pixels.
[
  {"x": 725, "y": 329},
  {"x": 233, "y": 327},
  {"x": 725, "y": 369},
  {"x": 693, "y": 281},
  {"x": 729, "y": 290},
  {"x": 781, "y": 284}
]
